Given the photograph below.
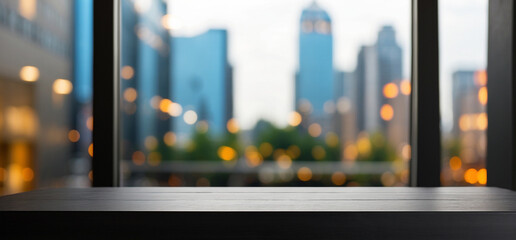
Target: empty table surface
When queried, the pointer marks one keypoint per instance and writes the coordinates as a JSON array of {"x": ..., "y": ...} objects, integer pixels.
[{"x": 234, "y": 212}]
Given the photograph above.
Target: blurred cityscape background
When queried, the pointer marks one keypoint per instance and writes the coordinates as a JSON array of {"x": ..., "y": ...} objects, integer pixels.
[{"x": 238, "y": 93}]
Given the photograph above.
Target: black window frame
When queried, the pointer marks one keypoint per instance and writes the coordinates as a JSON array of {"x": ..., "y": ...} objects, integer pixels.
[{"x": 425, "y": 133}]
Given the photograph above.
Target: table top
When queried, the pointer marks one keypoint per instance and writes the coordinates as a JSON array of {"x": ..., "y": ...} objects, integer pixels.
[{"x": 265, "y": 199}]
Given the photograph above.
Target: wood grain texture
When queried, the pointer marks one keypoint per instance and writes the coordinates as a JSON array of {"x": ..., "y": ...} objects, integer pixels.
[{"x": 264, "y": 213}]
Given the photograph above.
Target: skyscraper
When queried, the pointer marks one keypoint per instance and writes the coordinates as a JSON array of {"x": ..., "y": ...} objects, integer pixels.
[
  {"x": 367, "y": 85},
  {"x": 315, "y": 77},
  {"x": 202, "y": 82},
  {"x": 469, "y": 116},
  {"x": 377, "y": 66},
  {"x": 144, "y": 73},
  {"x": 463, "y": 89}
]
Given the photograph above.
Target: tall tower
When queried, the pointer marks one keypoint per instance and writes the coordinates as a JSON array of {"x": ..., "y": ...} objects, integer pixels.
[
  {"x": 202, "y": 81},
  {"x": 377, "y": 66},
  {"x": 315, "y": 79},
  {"x": 389, "y": 61}
]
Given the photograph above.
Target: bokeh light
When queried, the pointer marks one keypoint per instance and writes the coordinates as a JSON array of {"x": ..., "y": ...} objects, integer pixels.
[
  {"x": 304, "y": 174},
  {"x": 482, "y": 176},
  {"x": 387, "y": 112},
  {"x": 293, "y": 151},
  {"x": 405, "y": 87},
  {"x": 332, "y": 140},
  {"x": 388, "y": 179},
  {"x": 175, "y": 109},
  {"x": 190, "y": 117},
  {"x": 470, "y": 176},
  {"x": 90, "y": 150},
  {"x": 232, "y": 126},
  {"x": 74, "y": 135},
  {"x": 151, "y": 143},
  {"x": 455, "y": 163},
  {"x": 138, "y": 158},
  {"x": 127, "y": 72},
  {"x": 226, "y": 153},
  {"x": 89, "y": 123},
  {"x": 482, "y": 95},
  {"x": 284, "y": 161},
  {"x": 164, "y": 104},
  {"x": 295, "y": 119},
  {"x": 482, "y": 121},
  {"x": 62, "y": 86},
  {"x": 350, "y": 152},
  {"x": 481, "y": 77},
  {"x": 390, "y": 90},
  {"x": 27, "y": 174},
  {"x": 170, "y": 22},
  {"x": 29, "y": 74},
  {"x": 318, "y": 153},
  {"x": 338, "y": 178},
  {"x": 130, "y": 94},
  {"x": 314, "y": 130},
  {"x": 169, "y": 139}
]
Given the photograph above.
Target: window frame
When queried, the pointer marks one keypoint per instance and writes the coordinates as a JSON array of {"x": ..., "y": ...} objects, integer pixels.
[{"x": 425, "y": 133}]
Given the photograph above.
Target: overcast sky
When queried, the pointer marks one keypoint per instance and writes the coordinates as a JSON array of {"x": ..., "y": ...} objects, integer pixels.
[{"x": 263, "y": 43}]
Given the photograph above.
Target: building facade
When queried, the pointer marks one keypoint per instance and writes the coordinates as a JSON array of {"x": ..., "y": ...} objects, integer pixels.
[
  {"x": 202, "y": 82},
  {"x": 315, "y": 78}
]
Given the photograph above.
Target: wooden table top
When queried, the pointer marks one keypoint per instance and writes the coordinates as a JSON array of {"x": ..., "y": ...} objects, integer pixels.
[
  {"x": 263, "y": 213},
  {"x": 329, "y": 199}
]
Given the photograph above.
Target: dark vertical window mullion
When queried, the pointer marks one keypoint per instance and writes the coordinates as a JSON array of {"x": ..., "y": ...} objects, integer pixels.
[
  {"x": 501, "y": 106},
  {"x": 425, "y": 116},
  {"x": 105, "y": 92}
]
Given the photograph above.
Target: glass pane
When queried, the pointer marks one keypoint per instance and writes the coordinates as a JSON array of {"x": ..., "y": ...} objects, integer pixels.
[
  {"x": 463, "y": 80},
  {"x": 45, "y": 94},
  {"x": 265, "y": 93}
]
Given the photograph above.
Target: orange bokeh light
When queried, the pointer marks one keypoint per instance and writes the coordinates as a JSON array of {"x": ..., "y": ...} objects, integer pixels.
[
  {"x": 304, "y": 174},
  {"x": 482, "y": 176},
  {"x": 127, "y": 72},
  {"x": 405, "y": 87},
  {"x": 482, "y": 95},
  {"x": 390, "y": 90},
  {"x": 471, "y": 176},
  {"x": 455, "y": 163},
  {"x": 232, "y": 126},
  {"x": 74, "y": 135},
  {"x": 226, "y": 153},
  {"x": 164, "y": 104},
  {"x": 338, "y": 178},
  {"x": 138, "y": 158},
  {"x": 295, "y": 119},
  {"x": 314, "y": 130},
  {"x": 90, "y": 150},
  {"x": 481, "y": 77},
  {"x": 386, "y": 112}
]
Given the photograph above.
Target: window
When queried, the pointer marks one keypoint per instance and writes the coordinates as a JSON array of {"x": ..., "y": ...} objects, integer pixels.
[
  {"x": 265, "y": 93},
  {"x": 463, "y": 80},
  {"x": 45, "y": 94}
]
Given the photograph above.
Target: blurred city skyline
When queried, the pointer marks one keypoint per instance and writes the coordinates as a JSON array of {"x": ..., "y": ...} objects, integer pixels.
[
  {"x": 263, "y": 46},
  {"x": 267, "y": 59},
  {"x": 354, "y": 132}
]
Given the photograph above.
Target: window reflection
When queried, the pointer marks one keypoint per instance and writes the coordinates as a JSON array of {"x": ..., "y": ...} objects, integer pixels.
[{"x": 45, "y": 94}]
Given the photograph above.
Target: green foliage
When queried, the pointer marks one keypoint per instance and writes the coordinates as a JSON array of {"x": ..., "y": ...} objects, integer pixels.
[
  {"x": 283, "y": 138},
  {"x": 381, "y": 150}
]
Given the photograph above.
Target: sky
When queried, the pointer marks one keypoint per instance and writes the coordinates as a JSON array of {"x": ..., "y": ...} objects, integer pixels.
[{"x": 263, "y": 43}]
